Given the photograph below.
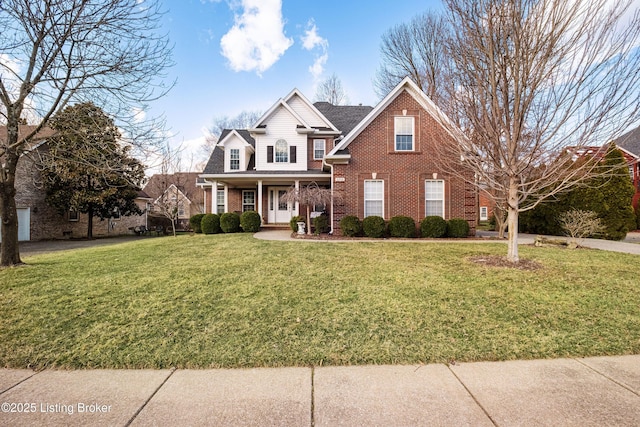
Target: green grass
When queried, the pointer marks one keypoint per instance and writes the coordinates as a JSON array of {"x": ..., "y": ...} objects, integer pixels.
[{"x": 233, "y": 301}]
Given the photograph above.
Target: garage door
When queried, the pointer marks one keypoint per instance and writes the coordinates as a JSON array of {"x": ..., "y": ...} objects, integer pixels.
[{"x": 24, "y": 224}]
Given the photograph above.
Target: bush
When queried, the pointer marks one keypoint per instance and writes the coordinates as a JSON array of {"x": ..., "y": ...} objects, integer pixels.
[
  {"x": 230, "y": 222},
  {"x": 321, "y": 224},
  {"x": 374, "y": 226},
  {"x": 350, "y": 226},
  {"x": 250, "y": 221},
  {"x": 195, "y": 223},
  {"x": 294, "y": 223},
  {"x": 210, "y": 224},
  {"x": 402, "y": 226},
  {"x": 457, "y": 227},
  {"x": 433, "y": 226}
]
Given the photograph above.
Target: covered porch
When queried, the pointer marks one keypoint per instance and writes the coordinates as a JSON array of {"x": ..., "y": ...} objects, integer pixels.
[{"x": 262, "y": 193}]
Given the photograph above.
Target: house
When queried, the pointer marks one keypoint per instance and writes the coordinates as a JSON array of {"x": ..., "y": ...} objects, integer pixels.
[
  {"x": 629, "y": 144},
  {"x": 175, "y": 191},
  {"x": 378, "y": 159},
  {"x": 39, "y": 221}
]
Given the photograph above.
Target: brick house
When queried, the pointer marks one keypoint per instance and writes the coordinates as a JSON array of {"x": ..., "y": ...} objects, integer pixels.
[
  {"x": 629, "y": 144},
  {"x": 39, "y": 221},
  {"x": 177, "y": 189},
  {"x": 380, "y": 159}
]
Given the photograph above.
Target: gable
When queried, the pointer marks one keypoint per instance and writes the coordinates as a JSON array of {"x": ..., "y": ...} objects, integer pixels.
[{"x": 308, "y": 112}]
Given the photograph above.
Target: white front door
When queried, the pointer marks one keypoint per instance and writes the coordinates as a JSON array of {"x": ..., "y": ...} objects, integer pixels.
[{"x": 279, "y": 210}]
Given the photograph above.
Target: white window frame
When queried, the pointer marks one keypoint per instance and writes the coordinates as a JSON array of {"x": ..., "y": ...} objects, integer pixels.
[
  {"x": 280, "y": 154},
  {"x": 400, "y": 128},
  {"x": 317, "y": 149},
  {"x": 220, "y": 203},
  {"x": 244, "y": 204},
  {"x": 234, "y": 160},
  {"x": 74, "y": 215},
  {"x": 377, "y": 197},
  {"x": 484, "y": 213},
  {"x": 428, "y": 199}
]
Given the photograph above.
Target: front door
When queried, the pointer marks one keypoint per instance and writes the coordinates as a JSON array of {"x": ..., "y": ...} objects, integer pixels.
[{"x": 280, "y": 212}]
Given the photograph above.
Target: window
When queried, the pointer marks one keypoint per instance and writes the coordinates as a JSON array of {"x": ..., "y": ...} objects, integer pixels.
[
  {"x": 484, "y": 213},
  {"x": 434, "y": 197},
  {"x": 318, "y": 149},
  {"x": 404, "y": 133},
  {"x": 235, "y": 159},
  {"x": 116, "y": 213},
  {"x": 282, "y": 151},
  {"x": 220, "y": 201},
  {"x": 248, "y": 200},
  {"x": 74, "y": 215},
  {"x": 374, "y": 197}
]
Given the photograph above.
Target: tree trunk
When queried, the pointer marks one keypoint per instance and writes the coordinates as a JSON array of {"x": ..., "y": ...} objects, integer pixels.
[
  {"x": 308, "y": 220},
  {"x": 9, "y": 229},
  {"x": 512, "y": 222},
  {"x": 90, "y": 222},
  {"x": 9, "y": 248}
]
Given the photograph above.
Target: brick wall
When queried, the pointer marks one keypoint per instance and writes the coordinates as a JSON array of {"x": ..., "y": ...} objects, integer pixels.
[{"x": 404, "y": 173}]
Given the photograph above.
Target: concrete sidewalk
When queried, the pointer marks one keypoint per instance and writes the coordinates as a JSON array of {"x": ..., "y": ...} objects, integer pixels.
[{"x": 561, "y": 392}]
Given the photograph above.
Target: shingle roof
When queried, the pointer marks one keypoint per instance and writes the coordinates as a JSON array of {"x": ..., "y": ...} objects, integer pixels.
[
  {"x": 630, "y": 141},
  {"x": 343, "y": 117},
  {"x": 185, "y": 181}
]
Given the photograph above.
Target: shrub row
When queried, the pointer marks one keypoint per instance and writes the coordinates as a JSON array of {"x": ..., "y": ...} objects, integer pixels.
[
  {"x": 403, "y": 226},
  {"x": 229, "y": 222}
]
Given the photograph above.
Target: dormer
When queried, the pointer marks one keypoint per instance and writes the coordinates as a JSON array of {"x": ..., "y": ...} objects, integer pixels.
[{"x": 238, "y": 147}]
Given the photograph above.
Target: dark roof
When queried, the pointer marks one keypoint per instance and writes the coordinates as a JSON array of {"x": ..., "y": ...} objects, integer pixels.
[
  {"x": 185, "y": 181},
  {"x": 630, "y": 141},
  {"x": 343, "y": 117}
]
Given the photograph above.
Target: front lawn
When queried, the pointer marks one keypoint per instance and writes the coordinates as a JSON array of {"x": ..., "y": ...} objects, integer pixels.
[{"x": 234, "y": 301}]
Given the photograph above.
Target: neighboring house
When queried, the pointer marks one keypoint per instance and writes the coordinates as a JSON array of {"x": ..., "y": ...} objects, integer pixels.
[
  {"x": 175, "y": 191},
  {"x": 39, "y": 221},
  {"x": 629, "y": 143},
  {"x": 380, "y": 160}
]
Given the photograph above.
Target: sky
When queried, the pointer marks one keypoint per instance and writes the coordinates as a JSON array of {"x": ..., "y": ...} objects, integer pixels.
[{"x": 243, "y": 55}]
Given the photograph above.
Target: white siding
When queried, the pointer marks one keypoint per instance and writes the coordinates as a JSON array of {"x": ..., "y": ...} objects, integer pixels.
[
  {"x": 281, "y": 125},
  {"x": 303, "y": 110},
  {"x": 245, "y": 153}
]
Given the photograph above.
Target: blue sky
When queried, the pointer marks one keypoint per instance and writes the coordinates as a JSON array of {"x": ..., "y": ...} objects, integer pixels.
[{"x": 236, "y": 55}]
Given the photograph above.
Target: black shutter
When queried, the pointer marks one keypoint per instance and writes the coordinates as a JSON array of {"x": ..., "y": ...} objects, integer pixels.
[
  {"x": 292, "y": 154},
  {"x": 269, "y": 153}
]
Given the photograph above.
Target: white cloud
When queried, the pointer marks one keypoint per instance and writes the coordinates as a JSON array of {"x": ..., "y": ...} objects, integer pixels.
[
  {"x": 313, "y": 41},
  {"x": 256, "y": 40},
  {"x": 138, "y": 114}
]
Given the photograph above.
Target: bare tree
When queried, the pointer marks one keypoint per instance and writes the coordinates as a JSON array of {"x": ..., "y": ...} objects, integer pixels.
[
  {"x": 415, "y": 49},
  {"x": 331, "y": 91},
  {"x": 309, "y": 195},
  {"x": 244, "y": 120},
  {"x": 532, "y": 78},
  {"x": 53, "y": 52},
  {"x": 579, "y": 224}
]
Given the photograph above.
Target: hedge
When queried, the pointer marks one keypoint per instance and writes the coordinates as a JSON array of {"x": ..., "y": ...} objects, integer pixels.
[
  {"x": 210, "y": 224},
  {"x": 374, "y": 226},
  {"x": 433, "y": 226},
  {"x": 350, "y": 226},
  {"x": 195, "y": 223},
  {"x": 230, "y": 222},
  {"x": 457, "y": 227},
  {"x": 250, "y": 221},
  {"x": 402, "y": 226}
]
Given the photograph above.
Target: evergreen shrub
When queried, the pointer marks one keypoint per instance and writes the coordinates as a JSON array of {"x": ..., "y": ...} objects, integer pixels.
[
  {"x": 210, "y": 224},
  {"x": 457, "y": 227},
  {"x": 374, "y": 226},
  {"x": 350, "y": 226},
  {"x": 230, "y": 222},
  {"x": 433, "y": 226},
  {"x": 195, "y": 223},
  {"x": 250, "y": 221},
  {"x": 402, "y": 226}
]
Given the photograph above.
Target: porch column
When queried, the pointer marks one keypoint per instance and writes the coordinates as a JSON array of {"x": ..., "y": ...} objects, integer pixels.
[
  {"x": 214, "y": 197},
  {"x": 260, "y": 200},
  {"x": 296, "y": 207},
  {"x": 226, "y": 198}
]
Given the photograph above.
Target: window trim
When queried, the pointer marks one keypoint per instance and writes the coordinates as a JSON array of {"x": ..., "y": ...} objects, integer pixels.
[
  {"x": 323, "y": 149},
  {"x": 218, "y": 204},
  {"x": 233, "y": 160},
  {"x": 74, "y": 215},
  {"x": 245, "y": 192},
  {"x": 427, "y": 200},
  {"x": 396, "y": 133},
  {"x": 484, "y": 217},
  {"x": 364, "y": 187},
  {"x": 281, "y": 151}
]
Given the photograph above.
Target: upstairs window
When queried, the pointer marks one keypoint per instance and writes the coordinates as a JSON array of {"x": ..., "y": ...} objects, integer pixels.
[
  {"x": 318, "y": 149},
  {"x": 404, "y": 131},
  {"x": 282, "y": 151},
  {"x": 234, "y": 156}
]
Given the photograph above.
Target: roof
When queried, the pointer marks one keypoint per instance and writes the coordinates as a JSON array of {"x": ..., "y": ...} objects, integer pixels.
[
  {"x": 215, "y": 165},
  {"x": 184, "y": 181},
  {"x": 343, "y": 117},
  {"x": 630, "y": 141},
  {"x": 25, "y": 130}
]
